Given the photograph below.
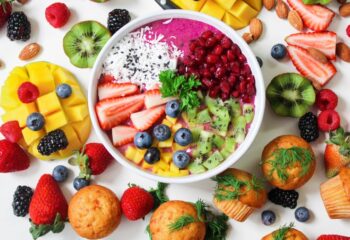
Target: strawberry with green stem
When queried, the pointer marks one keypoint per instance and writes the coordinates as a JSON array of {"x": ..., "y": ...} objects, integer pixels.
[{"x": 5, "y": 11}]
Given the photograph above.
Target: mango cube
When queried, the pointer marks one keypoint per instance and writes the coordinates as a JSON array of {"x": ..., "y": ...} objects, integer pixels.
[
  {"x": 55, "y": 121},
  {"x": 167, "y": 143},
  {"x": 234, "y": 22},
  {"x": 176, "y": 127},
  {"x": 77, "y": 113},
  {"x": 243, "y": 11},
  {"x": 77, "y": 97},
  {"x": 160, "y": 165},
  {"x": 20, "y": 114},
  {"x": 170, "y": 119},
  {"x": 166, "y": 157},
  {"x": 40, "y": 75},
  {"x": 61, "y": 76},
  {"x": 256, "y": 4},
  {"x": 139, "y": 156},
  {"x": 49, "y": 103},
  {"x": 226, "y": 4},
  {"x": 213, "y": 9},
  {"x": 146, "y": 165},
  {"x": 177, "y": 147},
  {"x": 130, "y": 152},
  {"x": 167, "y": 122},
  {"x": 174, "y": 168},
  {"x": 30, "y": 136},
  {"x": 73, "y": 140},
  {"x": 189, "y": 5},
  {"x": 184, "y": 172},
  {"x": 82, "y": 129},
  {"x": 20, "y": 73},
  {"x": 8, "y": 101}
]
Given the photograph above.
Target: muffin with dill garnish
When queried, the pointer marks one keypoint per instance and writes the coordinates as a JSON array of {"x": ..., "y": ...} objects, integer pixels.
[
  {"x": 285, "y": 233},
  {"x": 238, "y": 194},
  {"x": 288, "y": 162}
]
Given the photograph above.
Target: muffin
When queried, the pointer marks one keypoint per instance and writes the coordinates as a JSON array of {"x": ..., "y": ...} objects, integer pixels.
[
  {"x": 238, "y": 194},
  {"x": 285, "y": 233},
  {"x": 288, "y": 162},
  {"x": 335, "y": 194},
  {"x": 167, "y": 214},
  {"x": 94, "y": 212}
]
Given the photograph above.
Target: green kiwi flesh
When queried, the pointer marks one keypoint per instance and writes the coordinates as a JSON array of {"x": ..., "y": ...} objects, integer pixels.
[{"x": 83, "y": 43}]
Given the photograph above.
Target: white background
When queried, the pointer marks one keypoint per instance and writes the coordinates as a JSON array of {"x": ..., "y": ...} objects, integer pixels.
[{"x": 117, "y": 178}]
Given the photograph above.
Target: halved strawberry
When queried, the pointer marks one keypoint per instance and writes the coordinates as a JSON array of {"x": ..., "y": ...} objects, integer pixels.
[
  {"x": 154, "y": 98},
  {"x": 334, "y": 160},
  {"x": 315, "y": 17},
  {"x": 113, "y": 111},
  {"x": 332, "y": 237},
  {"x": 123, "y": 135},
  {"x": 145, "y": 119},
  {"x": 318, "y": 73},
  {"x": 110, "y": 90},
  {"x": 324, "y": 42},
  {"x": 105, "y": 78}
]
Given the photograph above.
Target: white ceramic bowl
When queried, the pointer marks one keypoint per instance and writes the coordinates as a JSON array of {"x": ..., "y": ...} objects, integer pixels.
[{"x": 164, "y": 15}]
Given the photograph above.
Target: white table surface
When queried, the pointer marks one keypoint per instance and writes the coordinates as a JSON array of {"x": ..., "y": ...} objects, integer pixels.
[{"x": 117, "y": 177}]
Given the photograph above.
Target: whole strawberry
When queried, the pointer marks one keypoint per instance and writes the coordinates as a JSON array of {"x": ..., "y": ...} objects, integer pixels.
[
  {"x": 93, "y": 160},
  {"x": 48, "y": 208},
  {"x": 12, "y": 157},
  {"x": 5, "y": 11},
  {"x": 136, "y": 203},
  {"x": 332, "y": 237}
]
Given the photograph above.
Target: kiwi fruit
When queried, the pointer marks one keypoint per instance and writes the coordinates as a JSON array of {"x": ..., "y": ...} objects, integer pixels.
[
  {"x": 84, "y": 41},
  {"x": 290, "y": 94}
]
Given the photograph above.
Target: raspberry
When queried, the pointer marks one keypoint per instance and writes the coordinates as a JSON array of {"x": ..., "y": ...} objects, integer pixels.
[
  {"x": 11, "y": 131},
  {"x": 348, "y": 31},
  {"x": 57, "y": 14},
  {"x": 326, "y": 99},
  {"x": 328, "y": 120},
  {"x": 28, "y": 92}
]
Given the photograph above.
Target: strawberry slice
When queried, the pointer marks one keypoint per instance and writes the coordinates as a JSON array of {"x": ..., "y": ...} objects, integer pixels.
[
  {"x": 318, "y": 73},
  {"x": 113, "y": 111},
  {"x": 323, "y": 41},
  {"x": 123, "y": 135},
  {"x": 145, "y": 119},
  {"x": 154, "y": 98},
  {"x": 110, "y": 90},
  {"x": 315, "y": 17},
  {"x": 105, "y": 78},
  {"x": 332, "y": 237}
]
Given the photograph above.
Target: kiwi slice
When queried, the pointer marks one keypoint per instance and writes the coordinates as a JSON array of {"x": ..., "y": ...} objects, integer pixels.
[
  {"x": 290, "y": 94},
  {"x": 84, "y": 41}
]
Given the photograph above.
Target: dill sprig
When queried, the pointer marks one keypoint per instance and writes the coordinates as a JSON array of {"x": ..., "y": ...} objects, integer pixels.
[
  {"x": 181, "y": 222},
  {"x": 287, "y": 157},
  {"x": 148, "y": 231},
  {"x": 280, "y": 234},
  {"x": 159, "y": 194}
]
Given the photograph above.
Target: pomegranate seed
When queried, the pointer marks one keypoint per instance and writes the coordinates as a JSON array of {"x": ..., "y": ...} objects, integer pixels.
[
  {"x": 207, "y": 34},
  {"x": 226, "y": 43},
  {"x": 242, "y": 58},
  {"x": 230, "y": 55},
  {"x": 225, "y": 87},
  {"x": 193, "y": 45},
  {"x": 206, "y": 73},
  {"x": 246, "y": 99},
  {"x": 211, "y": 58},
  {"x": 219, "y": 36},
  {"x": 224, "y": 96},
  {"x": 210, "y": 42},
  {"x": 199, "y": 54},
  {"x": 251, "y": 79},
  {"x": 236, "y": 49},
  {"x": 235, "y": 94},
  {"x": 201, "y": 42},
  {"x": 250, "y": 89},
  {"x": 220, "y": 72},
  {"x": 212, "y": 69},
  {"x": 207, "y": 82},
  {"x": 235, "y": 67},
  {"x": 232, "y": 80},
  {"x": 218, "y": 50},
  {"x": 242, "y": 87},
  {"x": 213, "y": 93},
  {"x": 246, "y": 70},
  {"x": 224, "y": 58}
]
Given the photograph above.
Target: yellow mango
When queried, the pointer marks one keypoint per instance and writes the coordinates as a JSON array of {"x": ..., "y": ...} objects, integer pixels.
[
  {"x": 243, "y": 11},
  {"x": 234, "y": 22},
  {"x": 130, "y": 152},
  {"x": 82, "y": 129},
  {"x": 61, "y": 75},
  {"x": 55, "y": 121},
  {"x": 172, "y": 120},
  {"x": 184, "y": 172},
  {"x": 176, "y": 127},
  {"x": 213, "y": 9},
  {"x": 8, "y": 101},
  {"x": 177, "y": 147},
  {"x": 76, "y": 113},
  {"x": 74, "y": 143},
  {"x": 189, "y": 4},
  {"x": 21, "y": 73},
  {"x": 30, "y": 136},
  {"x": 167, "y": 122},
  {"x": 174, "y": 168},
  {"x": 146, "y": 165},
  {"x": 256, "y": 4},
  {"x": 161, "y": 165},
  {"x": 49, "y": 103},
  {"x": 167, "y": 143},
  {"x": 77, "y": 98},
  {"x": 226, "y": 4},
  {"x": 139, "y": 156},
  {"x": 166, "y": 156},
  {"x": 20, "y": 114},
  {"x": 40, "y": 75}
]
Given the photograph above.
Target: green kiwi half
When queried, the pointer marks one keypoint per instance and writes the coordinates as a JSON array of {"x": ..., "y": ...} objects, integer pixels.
[
  {"x": 290, "y": 94},
  {"x": 84, "y": 41}
]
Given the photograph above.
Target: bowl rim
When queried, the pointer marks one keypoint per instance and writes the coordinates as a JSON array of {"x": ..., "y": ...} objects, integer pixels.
[{"x": 228, "y": 31}]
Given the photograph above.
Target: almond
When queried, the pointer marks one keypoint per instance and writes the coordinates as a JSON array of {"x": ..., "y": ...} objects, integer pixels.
[
  {"x": 343, "y": 51},
  {"x": 295, "y": 20},
  {"x": 248, "y": 37},
  {"x": 256, "y": 28},
  {"x": 29, "y": 51},
  {"x": 317, "y": 55},
  {"x": 269, "y": 4},
  {"x": 282, "y": 9},
  {"x": 344, "y": 10}
]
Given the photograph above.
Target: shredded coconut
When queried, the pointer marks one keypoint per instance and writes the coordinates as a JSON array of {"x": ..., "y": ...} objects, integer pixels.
[{"x": 140, "y": 56}]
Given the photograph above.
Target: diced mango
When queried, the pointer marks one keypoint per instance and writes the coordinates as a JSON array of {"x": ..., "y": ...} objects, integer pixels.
[
  {"x": 30, "y": 136},
  {"x": 172, "y": 120},
  {"x": 161, "y": 165},
  {"x": 20, "y": 114},
  {"x": 48, "y": 104},
  {"x": 40, "y": 75},
  {"x": 174, "y": 168},
  {"x": 74, "y": 142},
  {"x": 166, "y": 173},
  {"x": 176, "y": 127},
  {"x": 55, "y": 121},
  {"x": 189, "y": 5},
  {"x": 77, "y": 97},
  {"x": 20, "y": 73},
  {"x": 146, "y": 165},
  {"x": 256, "y": 4},
  {"x": 243, "y": 11},
  {"x": 167, "y": 143},
  {"x": 82, "y": 129},
  {"x": 184, "y": 172},
  {"x": 140, "y": 153},
  {"x": 8, "y": 101},
  {"x": 234, "y": 22},
  {"x": 177, "y": 147},
  {"x": 226, "y": 4},
  {"x": 167, "y": 122},
  {"x": 166, "y": 157},
  {"x": 61, "y": 75},
  {"x": 213, "y": 9},
  {"x": 130, "y": 152},
  {"x": 76, "y": 113}
]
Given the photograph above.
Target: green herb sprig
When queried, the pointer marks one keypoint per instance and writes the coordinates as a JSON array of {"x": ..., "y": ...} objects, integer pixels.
[
  {"x": 181, "y": 222},
  {"x": 159, "y": 194},
  {"x": 174, "y": 85},
  {"x": 280, "y": 234}
]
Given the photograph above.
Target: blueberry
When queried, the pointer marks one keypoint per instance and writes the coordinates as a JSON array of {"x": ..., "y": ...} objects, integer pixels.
[
  {"x": 260, "y": 61},
  {"x": 161, "y": 132},
  {"x": 183, "y": 137},
  {"x": 79, "y": 183},
  {"x": 172, "y": 108},
  {"x": 278, "y": 51},
  {"x": 60, "y": 173},
  {"x": 302, "y": 214},
  {"x": 35, "y": 121},
  {"x": 64, "y": 90},
  {"x": 143, "y": 140},
  {"x": 181, "y": 159},
  {"x": 268, "y": 217},
  {"x": 152, "y": 155}
]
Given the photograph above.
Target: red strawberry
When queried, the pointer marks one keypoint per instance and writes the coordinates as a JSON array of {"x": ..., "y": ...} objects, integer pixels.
[
  {"x": 326, "y": 99},
  {"x": 332, "y": 237},
  {"x": 315, "y": 17},
  {"x": 11, "y": 131},
  {"x": 110, "y": 90},
  {"x": 123, "y": 135},
  {"x": 113, "y": 111},
  {"x": 136, "y": 203},
  {"x": 145, "y": 119},
  {"x": 93, "y": 160},
  {"x": 106, "y": 79},
  {"x": 5, "y": 11},
  {"x": 57, "y": 14},
  {"x": 334, "y": 160},
  {"x": 318, "y": 73},
  {"x": 12, "y": 157},
  {"x": 322, "y": 41},
  {"x": 154, "y": 98},
  {"x": 348, "y": 31},
  {"x": 328, "y": 120},
  {"x": 48, "y": 208}
]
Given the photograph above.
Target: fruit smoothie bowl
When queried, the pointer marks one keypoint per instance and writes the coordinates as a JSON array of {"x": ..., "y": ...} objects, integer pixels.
[{"x": 176, "y": 96}]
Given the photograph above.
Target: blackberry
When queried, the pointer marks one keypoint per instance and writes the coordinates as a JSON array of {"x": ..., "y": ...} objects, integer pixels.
[
  {"x": 18, "y": 27},
  {"x": 52, "y": 142},
  {"x": 21, "y": 200},
  {"x": 285, "y": 198},
  {"x": 308, "y": 127},
  {"x": 117, "y": 19}
]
